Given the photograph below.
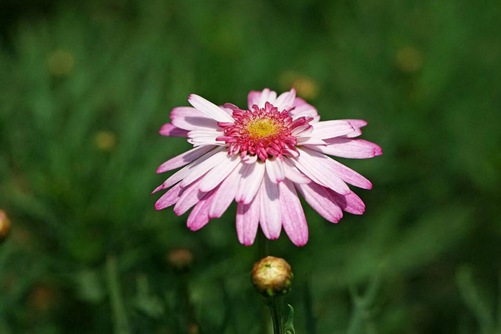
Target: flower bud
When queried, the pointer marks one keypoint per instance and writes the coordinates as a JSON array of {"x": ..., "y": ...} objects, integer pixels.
[
  {"x": 180, "y": 259},
  {"x": 272, "y": 276},
  {"x": 4, "y": 225}
]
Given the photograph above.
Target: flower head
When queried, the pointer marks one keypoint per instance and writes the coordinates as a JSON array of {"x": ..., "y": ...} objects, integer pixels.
[{"x": 262, "y": 157}]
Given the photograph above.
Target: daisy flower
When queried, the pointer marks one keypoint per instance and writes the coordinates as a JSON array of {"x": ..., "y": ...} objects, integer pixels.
[{"x": 261, "y": 158}]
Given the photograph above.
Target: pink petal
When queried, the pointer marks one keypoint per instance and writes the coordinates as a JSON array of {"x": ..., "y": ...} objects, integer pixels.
[
  {"x": 199, "y": 169},
  {"x": 316, "y": 168},
  {"x": 275, "y": 170},
  {"x": 204, "y": 137},
  {"x": 210, "y": 109},
  {"x": 349, "y": 148},
  {"x": 169, "y": 198},
  {"x": 357, "y": 123},
  {"x": 269, "y": 215},
  {"x": 350, "y": 202},
  {"x": 293, "y": 218},
  {"x": 189, "y": 118},
  {"x": 224, "y": 195},
  {"x": 266, "y": 96},
  {"x": 310, "y": 141},
  {"x": 187, "y": 170},
  {"x": 199, "y": 216},
  {"x": 250, "y": 182},
  {"x": 216, "y": 175},
  {"x": 346, "y": 174},
  {"x": 183, "y": 159},
  {"x": 247, "y": 222},
  {"x": 188, "y": 198},
  {"x": 285, "y": 100},
  {"x": 319, "y": 199},
  {"x": 331, "y": 129},
  {"x": 301, "y": 109},
  {"x": 292, "y": 173},
  {"x": 170, "y": 130}
]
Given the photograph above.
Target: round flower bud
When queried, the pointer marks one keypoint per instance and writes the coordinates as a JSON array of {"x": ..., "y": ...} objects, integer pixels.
[
  {"x": 272, "y": 276},
  {"x": 4, "y": 225},
  {"x": 180, "y": 259}
]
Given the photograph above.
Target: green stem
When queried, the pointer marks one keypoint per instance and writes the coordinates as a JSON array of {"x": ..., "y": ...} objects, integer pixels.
[{"x": 276, "y": 305}]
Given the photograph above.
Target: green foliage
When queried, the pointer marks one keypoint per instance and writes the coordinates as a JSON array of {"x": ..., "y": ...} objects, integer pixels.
[{"x": 86, "y": 86}]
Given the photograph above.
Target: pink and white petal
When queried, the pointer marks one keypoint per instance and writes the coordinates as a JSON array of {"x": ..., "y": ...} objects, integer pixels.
[
  {"x": 293, "y": 218},
  {"x": 250, "y": 182},
  {"x": 267, "y": 95},
  {"x": 275, "y": 170},
  {"x": 199, "y": 169},
  {"x": 170, "y": 130},
  {"x": 303, "y": 131},
  {"x": 189, "y": 118},
  {"x": 217, "y": 175},
  {"x": 357, "y": 123},
  {"x": 209, "y": 109},
  {"x": 224, "y": 195},
  {"x": 187, "y": 170},
  {"x": 270, "y": 213},
  {"x": 302, "y": 108},
  {"x": 183, "y": 159},
  {"x": 346, "y": 174},
  {"x": 285, "y": 100},
  {"x": 253, "y": 99},
  {"x": 316, "y": 168},
  {"x": 169, "y": 198},
  {"x": 319, "y": 199},
  {"x": 310, "y": 141},
  {"x": 199, "y": 216},
  {"x": 293, "y": 174},
  {"x": 249, "y": 159},
  {"x": 350, "y": 202},
  {"x": 204, "y": 141},
  {"x": 247, "y": 222},
  {"x": 331, "y": 129},
  {"x": 349, "y": 148},
  {"x": 190, "y": 196}
]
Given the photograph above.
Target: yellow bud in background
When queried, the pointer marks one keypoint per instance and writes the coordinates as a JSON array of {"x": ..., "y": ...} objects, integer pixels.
[{"x": 4, "y": 225}]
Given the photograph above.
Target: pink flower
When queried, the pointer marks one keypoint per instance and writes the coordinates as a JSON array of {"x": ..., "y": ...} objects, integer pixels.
[{"x": 262, "y": 158}]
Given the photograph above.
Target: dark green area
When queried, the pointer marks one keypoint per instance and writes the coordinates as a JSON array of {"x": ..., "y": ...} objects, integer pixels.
[{"x": 85, "y": 86}]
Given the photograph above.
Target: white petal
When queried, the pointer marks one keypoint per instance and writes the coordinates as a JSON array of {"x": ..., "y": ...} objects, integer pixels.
[
  {"x": 331, "y": 129},
  {"x": 275, "y": 170},
  {"x": 293, "y": 218},
  {"x": 285, "y": 100},
  {"x": 183, "y": 159},
  {"x": 187, "y": 170},
  {"x": 267, "y": 96},
  {"x": 269, "y": 215},
  {"x": 293, "y": 174},
  {"x": 216, "y": 175},
  {"x": 250, "y": 182},
  {"x": 317, "y": 169},
  {"x": 319, "y": 199},
  {"x": 203, "y": 167},
  {"x": 331, "y": 166},
  {"x": 224, "y": 195},
  {"x": 209, "y": 109},
  {"x": 247, "y": 221},
  {"x": 189, "y": 118}
]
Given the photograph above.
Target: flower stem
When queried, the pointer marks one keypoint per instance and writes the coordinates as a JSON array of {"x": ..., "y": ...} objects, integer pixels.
[{"x": 276, "y": 305}]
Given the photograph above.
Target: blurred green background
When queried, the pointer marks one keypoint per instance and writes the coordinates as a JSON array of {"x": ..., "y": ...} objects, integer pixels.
[{"x": 85, "y": 86}]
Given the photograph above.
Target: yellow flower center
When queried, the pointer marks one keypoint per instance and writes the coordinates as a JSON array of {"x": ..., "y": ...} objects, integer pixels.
[{"x": 261, "y": 128}]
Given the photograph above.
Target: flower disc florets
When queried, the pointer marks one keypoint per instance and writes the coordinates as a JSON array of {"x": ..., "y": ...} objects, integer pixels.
[{"x": 265, "y": 132}]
